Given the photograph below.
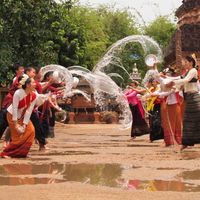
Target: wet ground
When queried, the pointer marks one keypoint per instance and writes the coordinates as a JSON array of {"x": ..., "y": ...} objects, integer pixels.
[{"x": 85, "y": 160}]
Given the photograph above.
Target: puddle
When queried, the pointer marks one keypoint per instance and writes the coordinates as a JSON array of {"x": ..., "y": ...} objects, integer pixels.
[
  {"x": 27, "y": 181},
  {"x": 102, "y": 174},
  {"x": 99, "y": 174},
  {"x": 159, "y": 185}
]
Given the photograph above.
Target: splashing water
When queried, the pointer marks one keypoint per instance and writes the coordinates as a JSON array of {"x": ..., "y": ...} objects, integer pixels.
[
  {"x": 116, "y": 75},
  {"x": 77, "y": 91},
  {"x": 102, "y": 85},
  {"x": 149, "y": 46},
  {"x": 112, "y": 58},
  {"x": 63, "y": 74},
  {"x": 105, "y": 88}
]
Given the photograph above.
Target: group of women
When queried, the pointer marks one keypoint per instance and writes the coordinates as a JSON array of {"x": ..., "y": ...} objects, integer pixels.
[
  {"x": 26, "y": 111},
  {"x": 172, "y": 104}
]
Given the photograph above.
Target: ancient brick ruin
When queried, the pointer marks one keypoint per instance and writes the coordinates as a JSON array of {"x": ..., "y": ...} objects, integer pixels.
[{"x": 186, "y": 39}]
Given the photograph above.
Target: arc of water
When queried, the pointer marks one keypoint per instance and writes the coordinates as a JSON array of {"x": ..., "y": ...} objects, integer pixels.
[
  {"x": 64, "y": 75},
  {"x": 119, "y": 45}
]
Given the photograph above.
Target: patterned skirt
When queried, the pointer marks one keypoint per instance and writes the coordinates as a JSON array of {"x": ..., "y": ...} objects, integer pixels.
[
  {"x": 20, "y": 143},
  {"x": 191, "y": 121},
  {"x": 139, "y": 124}
]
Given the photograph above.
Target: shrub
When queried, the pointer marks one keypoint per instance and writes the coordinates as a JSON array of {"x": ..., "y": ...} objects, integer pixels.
[{"x": 109, "y": 116}]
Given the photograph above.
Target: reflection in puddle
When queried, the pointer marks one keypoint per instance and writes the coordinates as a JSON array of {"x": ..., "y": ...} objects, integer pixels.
[
  {"x": 27, "y": 181},
  {"x": 159, "y": 185},
  {"x": 99, "y": 174},
  {"x": 102, "y": 174}
]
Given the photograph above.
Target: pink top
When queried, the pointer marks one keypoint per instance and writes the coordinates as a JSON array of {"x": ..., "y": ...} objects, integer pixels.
[{"x": 131, "y": 96}]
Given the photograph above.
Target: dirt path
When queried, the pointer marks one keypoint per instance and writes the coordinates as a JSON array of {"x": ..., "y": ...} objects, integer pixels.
[{"x": 99, "y": 162}]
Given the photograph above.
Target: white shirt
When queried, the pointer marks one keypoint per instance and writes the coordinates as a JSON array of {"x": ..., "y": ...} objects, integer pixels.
[
  {"x": 167, "y": 92},
  {"x": 16, "y": 112},
  {"x": 189, "y": 87}
]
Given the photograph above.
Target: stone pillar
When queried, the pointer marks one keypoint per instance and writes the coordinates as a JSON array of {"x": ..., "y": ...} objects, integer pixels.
[
  {"x": 96, "y": 117},
  {"x": 71, "y": 118},
  {"x": 178, "y": 50}
]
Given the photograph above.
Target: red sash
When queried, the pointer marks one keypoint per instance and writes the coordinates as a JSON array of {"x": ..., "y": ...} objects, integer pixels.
[{"x": 26, "y": 102}]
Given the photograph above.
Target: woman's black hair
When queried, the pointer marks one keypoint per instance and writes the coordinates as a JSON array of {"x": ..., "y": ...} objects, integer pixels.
[
  {"x": 16, "y": 66},
  {"x": 26, "y": 82},
  {"x": 191, "y": 59},
  {"x": 134, "y": 82},
  {"x": 37, "y": 69},
  {"x": 151, "y": 80},
  {"x": 47, "y": 75}
]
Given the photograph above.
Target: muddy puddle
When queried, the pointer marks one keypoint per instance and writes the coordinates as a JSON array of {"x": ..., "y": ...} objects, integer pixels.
[{"x": 99, "y": 174}]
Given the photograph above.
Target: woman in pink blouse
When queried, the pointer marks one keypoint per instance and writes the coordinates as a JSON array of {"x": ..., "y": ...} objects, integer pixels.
[{"x": 139, "y": 124}]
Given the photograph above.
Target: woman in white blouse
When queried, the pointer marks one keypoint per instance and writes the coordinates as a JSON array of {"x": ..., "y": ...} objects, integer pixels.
[
  {"x": 191, "y": 122},
  {"x": 18, "y": 116}
]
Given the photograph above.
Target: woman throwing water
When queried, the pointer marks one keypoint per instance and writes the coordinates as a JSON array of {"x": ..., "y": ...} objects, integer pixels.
[
  {"x": 18, "y": 116},
  {"x": 191, "y": 122}
]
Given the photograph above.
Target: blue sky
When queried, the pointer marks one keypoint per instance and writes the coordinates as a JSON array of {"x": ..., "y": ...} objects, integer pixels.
[{"x": 149, "y": 9}]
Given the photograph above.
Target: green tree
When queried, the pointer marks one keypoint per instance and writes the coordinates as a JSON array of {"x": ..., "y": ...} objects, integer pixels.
[
  {"x": 92, "y": 35},
  {"x": 161, "y": 29},
  {"x": 118, "y": 23},
  {"x": 26, "y": 32}
]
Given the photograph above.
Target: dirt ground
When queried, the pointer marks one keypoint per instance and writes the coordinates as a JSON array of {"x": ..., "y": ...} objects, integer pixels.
[{"x": 89, "y": 162}]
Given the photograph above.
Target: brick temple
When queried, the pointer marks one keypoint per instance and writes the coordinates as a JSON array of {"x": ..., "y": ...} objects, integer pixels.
[{"x": 186, "y": 39}]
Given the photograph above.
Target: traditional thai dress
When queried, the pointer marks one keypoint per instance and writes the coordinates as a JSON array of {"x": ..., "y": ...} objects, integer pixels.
[
  {"x": 153, "y": 107},
  {"x": 191, "y": 119},
  {"x": 139, "y": 124},
  {"x": 172, "y": 122},
  {"x": 170, "y": 112},
  {"x": 20, "y": 110}
]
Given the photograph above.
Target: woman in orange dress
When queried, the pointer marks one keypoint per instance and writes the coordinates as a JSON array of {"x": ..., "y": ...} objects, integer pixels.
[{"x": 18, "y": 116}]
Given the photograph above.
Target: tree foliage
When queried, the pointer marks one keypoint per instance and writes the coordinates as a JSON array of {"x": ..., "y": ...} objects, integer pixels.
[
  {"x": 45, "y": 32},
  {"x": 161, "y": 29}
]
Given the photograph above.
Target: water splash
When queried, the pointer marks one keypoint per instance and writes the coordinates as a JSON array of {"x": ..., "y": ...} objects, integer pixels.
[
  {"x": 102, "y": 85},
  {"x": 77, "y": 91},
  {"x": 63, "y": 74},
  {"x": 149, "y": 46},
  {"x": 116, "y": 75},
  {"x": 104, "y": 88},
  {"x": 112, "y": 58}
]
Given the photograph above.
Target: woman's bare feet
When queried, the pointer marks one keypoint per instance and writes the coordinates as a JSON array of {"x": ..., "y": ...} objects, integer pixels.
[
  {"x": 6, "y": 157},
  {"x": 43, "y": 147},
  {"x": 183, "y": 147},
  {"x": 132, "y": 138},
  {"x": 5, "y": 144}
]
